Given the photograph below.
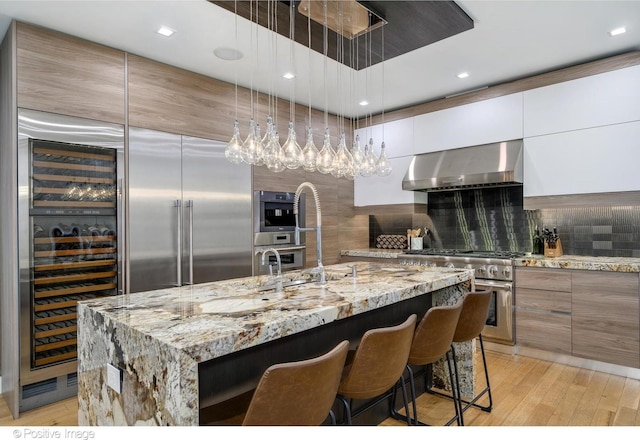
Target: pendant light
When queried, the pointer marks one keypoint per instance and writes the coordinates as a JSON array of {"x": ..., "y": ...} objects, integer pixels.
[
  {"x": 310, "y": 152},
  {"x": 383, "y": 166},
  {"x": 233, "y": 151}
]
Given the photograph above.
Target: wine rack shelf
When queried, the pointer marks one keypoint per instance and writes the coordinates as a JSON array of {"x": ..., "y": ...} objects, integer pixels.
[{"x": 74, "y": 245}]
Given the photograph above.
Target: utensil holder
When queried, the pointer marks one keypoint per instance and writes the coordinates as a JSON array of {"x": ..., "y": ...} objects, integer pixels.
[
  {"x": 553, "y": 249},
  {"x": 416, "y": 243}
]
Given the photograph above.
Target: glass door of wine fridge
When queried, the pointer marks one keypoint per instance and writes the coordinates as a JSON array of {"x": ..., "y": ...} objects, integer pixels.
[{"x": 70, "y": 228}]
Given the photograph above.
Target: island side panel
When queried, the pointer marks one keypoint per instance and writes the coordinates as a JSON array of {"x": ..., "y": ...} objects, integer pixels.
[{"x": 159, "y": 385}]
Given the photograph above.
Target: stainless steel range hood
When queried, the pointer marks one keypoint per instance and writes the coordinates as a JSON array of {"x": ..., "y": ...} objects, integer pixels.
[{"x": 482, "y": 165}]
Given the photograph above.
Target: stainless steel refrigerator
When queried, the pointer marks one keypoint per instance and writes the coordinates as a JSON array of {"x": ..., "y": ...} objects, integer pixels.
[{"x": 189, "y": 211}]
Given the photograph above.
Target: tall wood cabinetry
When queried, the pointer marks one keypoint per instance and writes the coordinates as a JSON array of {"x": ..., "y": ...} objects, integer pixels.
[{"x": 588, "y": 314}]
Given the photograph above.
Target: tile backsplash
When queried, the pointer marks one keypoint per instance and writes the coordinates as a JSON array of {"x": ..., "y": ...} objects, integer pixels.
[{"x": 494, "y": 219}]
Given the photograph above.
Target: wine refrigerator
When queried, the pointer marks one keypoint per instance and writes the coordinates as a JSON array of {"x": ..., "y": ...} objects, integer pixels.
[{"x": 70, "y": 210}]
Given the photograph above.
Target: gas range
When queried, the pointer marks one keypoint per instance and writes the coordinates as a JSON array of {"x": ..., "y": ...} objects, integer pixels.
[{"x": 488, "y": 265}]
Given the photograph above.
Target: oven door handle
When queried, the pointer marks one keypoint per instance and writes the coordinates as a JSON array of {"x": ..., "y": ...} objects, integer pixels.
[{"x": 493, "y": 284}]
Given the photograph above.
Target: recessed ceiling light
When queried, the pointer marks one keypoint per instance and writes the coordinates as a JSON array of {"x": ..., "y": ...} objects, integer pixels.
[
  {"x": 364, "y": 102},
  {"x": 166, "y": 31},
  {"x": 462, "y": 75},
  {"x": 227, "y": 53},
  {"x": 288, "y": 75},
  {"x": 617, "y": 31}
]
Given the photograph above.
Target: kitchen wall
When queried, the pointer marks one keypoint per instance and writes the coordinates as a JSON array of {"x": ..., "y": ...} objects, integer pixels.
[
  {"x": 494, "y": 219},
  {"x": 603, "y": 231}
]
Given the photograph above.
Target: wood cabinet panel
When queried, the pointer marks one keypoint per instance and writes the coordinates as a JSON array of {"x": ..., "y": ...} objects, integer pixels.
[
  {"x": 606, "y": 317},
  {"x": 544, "y": 330},
  {"x": 544, "y": 300},
  {"x": 545, "y": 279},
  {"x": 62, "y": 74}
]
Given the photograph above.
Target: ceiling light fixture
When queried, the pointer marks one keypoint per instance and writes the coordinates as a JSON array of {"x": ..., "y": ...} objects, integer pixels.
[
  {"x": 617, "y": 31},
  {"x": 267, "y": 151},
  {"x": 165, "y": 31},
  {"x": 463, "y": 75}
]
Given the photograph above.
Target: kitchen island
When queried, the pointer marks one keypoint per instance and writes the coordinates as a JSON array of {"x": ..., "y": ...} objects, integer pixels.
[{"x": 179, "y": 350}]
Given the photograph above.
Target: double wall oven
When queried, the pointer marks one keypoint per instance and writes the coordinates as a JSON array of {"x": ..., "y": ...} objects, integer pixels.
[
  {"x": 274, "y": 227},
  {"x": 493, "y": 270}
]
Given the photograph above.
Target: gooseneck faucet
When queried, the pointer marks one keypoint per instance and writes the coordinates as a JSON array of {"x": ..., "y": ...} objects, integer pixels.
[
  {"x": 278, "y": 279},
  {"x": 320, "y": 268},
  {"x": 278, "y": 261}
]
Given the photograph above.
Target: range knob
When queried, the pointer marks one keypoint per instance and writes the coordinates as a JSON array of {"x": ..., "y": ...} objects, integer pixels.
[
  {"x": 481, "y": 270},
  {"x": 449, "y": 265},
  {"x": 507, "y": 272},
  {"x": 493, "y": 271}
]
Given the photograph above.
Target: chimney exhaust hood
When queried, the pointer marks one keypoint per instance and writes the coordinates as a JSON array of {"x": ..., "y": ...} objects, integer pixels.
[{"x": 496, "y": 164}]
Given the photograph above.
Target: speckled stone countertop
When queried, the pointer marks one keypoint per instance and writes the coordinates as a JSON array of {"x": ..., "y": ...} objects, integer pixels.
[
  {"x": 581, "y": 262},
  {"x": 372, "y": 253},
  {"x": 578, "y": 262},
  {"x": 159, "y": 337}
]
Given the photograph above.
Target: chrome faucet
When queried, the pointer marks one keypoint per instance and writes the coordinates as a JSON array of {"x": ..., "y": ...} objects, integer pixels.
[
  {"x": 320, "y": 268},
  {"x": 279, "y": 264}
]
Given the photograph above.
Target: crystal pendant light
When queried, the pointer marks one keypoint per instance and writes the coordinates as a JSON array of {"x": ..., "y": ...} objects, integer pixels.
[
  {"x": 342, "y": 162},
  {"x": 291, "y": 152},
  {"x": 383, "y": 166},
  {"x": 273, "y": 154},
  {"x": 369, "y": 164},
  {"x": 325, "y": 159},
  {"x": 310, "y": 153},
  {"x": 250, "y": 145},
  {"x": 258, "y": 159},
  {"x": 233, "y": 152},
  {"x": 357, "y": 155}
]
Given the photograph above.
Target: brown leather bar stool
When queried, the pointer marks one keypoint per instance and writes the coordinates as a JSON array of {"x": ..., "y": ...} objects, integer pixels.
[
  {"x": 431, "y": 342},
  {"x": 475, "y": 308},
  {"x": 376, "y": 366},
  {"x": 298, "y": 393}
]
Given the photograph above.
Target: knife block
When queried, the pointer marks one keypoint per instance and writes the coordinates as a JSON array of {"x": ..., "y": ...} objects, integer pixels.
[{"x": 553, "y": 249}]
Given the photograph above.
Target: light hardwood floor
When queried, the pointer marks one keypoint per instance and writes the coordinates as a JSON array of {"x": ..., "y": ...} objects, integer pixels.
[{"x": 526, "y": 392}]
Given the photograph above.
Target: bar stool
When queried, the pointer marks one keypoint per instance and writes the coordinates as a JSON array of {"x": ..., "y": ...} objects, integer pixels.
[
  {"x": 376, "y": 366},
  {"x": 473, "y": 317},
  {"x": 298, "y": 393},
  {"x": 432, "y": 340}
]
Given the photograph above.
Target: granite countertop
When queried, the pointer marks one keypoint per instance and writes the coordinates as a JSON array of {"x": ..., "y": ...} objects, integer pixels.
[
  {"x": 214, "y": 319},
  {"x": 579, "y": 262},
  {"x": 372, "y": 253}
]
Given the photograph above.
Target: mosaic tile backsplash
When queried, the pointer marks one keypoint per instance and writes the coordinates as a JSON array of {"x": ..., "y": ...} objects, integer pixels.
[{"x": 494, "y": 219}]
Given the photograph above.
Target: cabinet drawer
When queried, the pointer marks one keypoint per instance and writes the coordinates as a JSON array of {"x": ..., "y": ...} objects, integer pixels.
[
  {"x": 544, "y": 279},
  {"x": 543, "y": 300},
  {"x": 543, "y": 330},
  {"x": 606, "y": 317}
]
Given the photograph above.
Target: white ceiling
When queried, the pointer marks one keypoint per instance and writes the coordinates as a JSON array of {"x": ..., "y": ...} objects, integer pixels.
[{"x": 510, "y": 40}]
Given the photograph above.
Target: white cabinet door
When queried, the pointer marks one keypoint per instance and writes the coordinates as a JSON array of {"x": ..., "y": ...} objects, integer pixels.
[
  {"x": 386, "y": 190},
  {"x": 484, "y": 122},
  {"x": 604, "y": 99},
  {"x": 602, "y": 159},
  {"x": 397, "y": 136}
]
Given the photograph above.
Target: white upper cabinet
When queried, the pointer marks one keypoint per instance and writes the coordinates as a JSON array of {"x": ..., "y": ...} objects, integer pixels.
[
  {"x": 397, "y": 135},
  {"x": 386, "y": 190},
  {"x": 597, "y": 100},
  {"x": 595, "y": 160},
  {"x": 484, "y": 122}
]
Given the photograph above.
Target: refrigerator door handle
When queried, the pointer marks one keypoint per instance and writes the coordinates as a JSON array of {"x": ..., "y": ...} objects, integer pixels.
[
  {"x": 121, "y": 239},
  {"x": 178, "y": 206},
  {"x": 190, "y": 206}
]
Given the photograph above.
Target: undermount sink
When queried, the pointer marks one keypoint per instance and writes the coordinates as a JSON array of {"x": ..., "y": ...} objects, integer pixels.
[{"x": 274, "y": 286}]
